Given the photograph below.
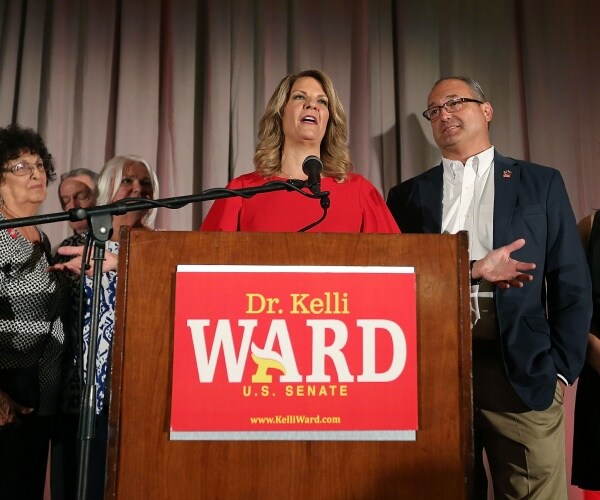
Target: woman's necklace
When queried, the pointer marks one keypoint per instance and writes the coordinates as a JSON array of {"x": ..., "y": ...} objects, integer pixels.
[{"x": 287, "y": 176}]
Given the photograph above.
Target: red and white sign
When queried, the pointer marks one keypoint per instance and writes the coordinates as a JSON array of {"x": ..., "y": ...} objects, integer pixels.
[{"x": 292, "y": 352}]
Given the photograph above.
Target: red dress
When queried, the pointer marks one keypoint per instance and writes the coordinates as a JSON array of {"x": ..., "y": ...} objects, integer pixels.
[{"x": 356, "y": 206}]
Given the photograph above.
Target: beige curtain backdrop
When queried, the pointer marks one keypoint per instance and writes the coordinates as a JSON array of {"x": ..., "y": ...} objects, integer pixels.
[{"x": 183, "y": 83}]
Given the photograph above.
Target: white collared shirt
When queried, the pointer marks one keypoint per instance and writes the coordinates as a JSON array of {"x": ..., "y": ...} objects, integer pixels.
[
  {"x": 468, "y": 201},
  {"x": 468, "y": 204}
]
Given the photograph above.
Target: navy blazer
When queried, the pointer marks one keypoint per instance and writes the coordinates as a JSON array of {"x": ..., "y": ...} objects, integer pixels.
[{"x": 544, "y": 325}]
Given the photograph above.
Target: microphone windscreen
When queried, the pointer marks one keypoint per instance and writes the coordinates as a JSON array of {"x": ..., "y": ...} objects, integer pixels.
[{"x": 312, "y": 165}]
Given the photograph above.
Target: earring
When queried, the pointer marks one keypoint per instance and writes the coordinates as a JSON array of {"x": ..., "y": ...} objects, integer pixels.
[{"x": 1, "y": 202}]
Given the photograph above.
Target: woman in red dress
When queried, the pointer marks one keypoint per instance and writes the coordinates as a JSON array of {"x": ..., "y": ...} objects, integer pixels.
[{"x": 303, "y": 118}]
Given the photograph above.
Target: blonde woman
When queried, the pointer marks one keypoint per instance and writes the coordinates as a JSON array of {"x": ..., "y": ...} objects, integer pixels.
[{"x": 303, "y": 118}]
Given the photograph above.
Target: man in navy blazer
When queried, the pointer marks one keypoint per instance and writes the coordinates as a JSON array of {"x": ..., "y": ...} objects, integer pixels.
[{"x": 530, "y": 293}]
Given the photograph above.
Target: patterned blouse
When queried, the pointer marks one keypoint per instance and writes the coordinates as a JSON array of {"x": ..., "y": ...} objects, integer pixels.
[
  {"x": 106, "y": 326},
  {"x": 32, "y": 339}
]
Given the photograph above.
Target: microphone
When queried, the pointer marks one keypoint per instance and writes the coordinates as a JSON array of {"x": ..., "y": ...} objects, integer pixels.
[{"x": 312, "y": 167}]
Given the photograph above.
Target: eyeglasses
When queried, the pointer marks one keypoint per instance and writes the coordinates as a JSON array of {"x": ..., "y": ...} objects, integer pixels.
[
  {"x": 452, "y": 106},
  {"x": 24, "y": 168}
]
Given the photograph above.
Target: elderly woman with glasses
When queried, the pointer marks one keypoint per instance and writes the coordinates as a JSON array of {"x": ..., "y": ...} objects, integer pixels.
[{"x": 32, "y": 302}]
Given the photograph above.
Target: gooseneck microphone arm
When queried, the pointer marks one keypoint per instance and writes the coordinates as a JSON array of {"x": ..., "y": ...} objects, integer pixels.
[{"x": 131, "y": 204}]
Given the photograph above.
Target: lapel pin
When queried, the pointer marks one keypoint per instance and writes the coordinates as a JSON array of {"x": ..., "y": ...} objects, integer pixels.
[{"x": 506, "y": 174}]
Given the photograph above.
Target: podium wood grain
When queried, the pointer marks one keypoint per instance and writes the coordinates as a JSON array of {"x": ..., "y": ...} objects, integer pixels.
[{"x": 144, "y": 463}]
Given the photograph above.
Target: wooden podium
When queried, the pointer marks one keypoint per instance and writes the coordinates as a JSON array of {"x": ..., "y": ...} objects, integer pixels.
[{"x": 144, "y": 463}]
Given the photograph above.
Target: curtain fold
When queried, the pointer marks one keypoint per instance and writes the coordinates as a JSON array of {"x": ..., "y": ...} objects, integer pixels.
[{"x": 184, "y": 84}]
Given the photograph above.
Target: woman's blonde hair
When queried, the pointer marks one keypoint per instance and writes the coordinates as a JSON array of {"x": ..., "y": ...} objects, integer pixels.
[
  {"x": 110, "y": 180},
  {"x": 334, "y": 153}
]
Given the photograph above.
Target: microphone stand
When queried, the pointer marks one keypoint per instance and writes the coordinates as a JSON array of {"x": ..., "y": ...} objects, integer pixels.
[
  {"x": 101, "y": 231},
  {"x": 100, "y": 223}
]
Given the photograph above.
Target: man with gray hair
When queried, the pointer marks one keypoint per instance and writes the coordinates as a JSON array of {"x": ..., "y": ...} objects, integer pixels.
[
  {"x": 530, "y": 322},
  {"x": 77, "y": 189}
]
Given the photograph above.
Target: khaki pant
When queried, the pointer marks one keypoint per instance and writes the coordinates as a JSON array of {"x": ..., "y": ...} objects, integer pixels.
[{"x": 525, "y": 448}]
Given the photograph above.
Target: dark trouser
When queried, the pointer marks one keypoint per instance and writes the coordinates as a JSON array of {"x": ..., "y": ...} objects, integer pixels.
[
  {"x": 586, "y": 431},
  {"x": 23, "y": 458},
  {"x": 66, "y": 449}
]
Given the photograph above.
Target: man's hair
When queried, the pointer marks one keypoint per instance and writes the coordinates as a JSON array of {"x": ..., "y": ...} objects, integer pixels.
[
  {"x": 473, "y": 84},
  {"x": 76, "y": 172}
]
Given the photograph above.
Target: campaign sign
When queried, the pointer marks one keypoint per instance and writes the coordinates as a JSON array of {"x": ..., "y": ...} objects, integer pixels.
[{"x": 294, "y": 353}]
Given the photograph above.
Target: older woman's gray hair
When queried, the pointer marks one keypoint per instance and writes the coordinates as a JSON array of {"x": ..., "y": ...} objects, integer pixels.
[{"x": 110, "y": 180}]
